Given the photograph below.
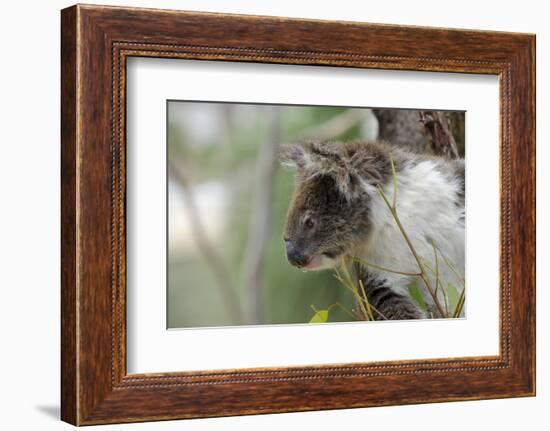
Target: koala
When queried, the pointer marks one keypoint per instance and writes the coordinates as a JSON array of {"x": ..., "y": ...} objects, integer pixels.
[{"x": 337, "y": 211}]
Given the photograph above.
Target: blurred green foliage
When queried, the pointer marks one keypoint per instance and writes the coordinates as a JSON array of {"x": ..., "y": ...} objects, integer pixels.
[{"x": 224, "y": 149}]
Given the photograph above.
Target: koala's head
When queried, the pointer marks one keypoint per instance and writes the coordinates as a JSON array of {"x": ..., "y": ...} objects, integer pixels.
[{"x": 330, "y": 208}]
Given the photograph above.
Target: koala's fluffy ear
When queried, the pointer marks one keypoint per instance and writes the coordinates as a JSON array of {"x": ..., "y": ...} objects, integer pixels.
[
  {"x": 293, "y": 155},
  {"x": 316, "y": 157},
  {"x": 353, "y": 168}
]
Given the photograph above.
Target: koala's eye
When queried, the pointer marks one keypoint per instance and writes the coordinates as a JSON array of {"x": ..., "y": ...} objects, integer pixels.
[{"x": 308, "y": 223}]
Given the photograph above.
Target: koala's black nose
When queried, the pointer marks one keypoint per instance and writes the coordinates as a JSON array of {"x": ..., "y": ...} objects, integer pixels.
[{"x": 294, "y": 255}]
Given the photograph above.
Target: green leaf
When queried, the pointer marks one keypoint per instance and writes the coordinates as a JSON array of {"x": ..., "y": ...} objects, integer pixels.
[
  {"x": 321, "y": 316},
  {"x": 415, "y": 293},
  {"x": 453, "y": 296}
]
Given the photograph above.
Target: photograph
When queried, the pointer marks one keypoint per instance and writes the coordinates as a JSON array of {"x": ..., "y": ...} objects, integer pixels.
[{"x": 299, "y": 214}]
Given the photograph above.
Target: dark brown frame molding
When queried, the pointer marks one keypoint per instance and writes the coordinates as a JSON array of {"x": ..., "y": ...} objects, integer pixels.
[{"x": 95, "y": 43}]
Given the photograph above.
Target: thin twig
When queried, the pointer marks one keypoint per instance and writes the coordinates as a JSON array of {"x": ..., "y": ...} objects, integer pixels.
[
  {"x": 394, "y": 175},
  {"x": 438, "y": 280},
  {"x": 460, "y": 303},
  {"x": 382, "y": 268},
  {"x": 362, "y": 296},
  {"x": 349, "y": 285},
  {"x": 367, "y": 302},
  {"x": 456, "y": 273},
  {"x": 437, "y": 283},
  {"x": 450, "y": 265}
]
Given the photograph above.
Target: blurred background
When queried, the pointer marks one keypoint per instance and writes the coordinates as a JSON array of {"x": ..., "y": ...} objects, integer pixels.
[{"x": 227, "y": 202}]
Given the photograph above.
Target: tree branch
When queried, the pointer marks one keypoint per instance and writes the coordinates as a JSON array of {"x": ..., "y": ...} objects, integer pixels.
[
  {"x": 260, "y": 227},
  {"x": 211, "y": 257}
]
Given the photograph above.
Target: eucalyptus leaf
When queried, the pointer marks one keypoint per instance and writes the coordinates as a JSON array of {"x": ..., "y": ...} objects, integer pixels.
[
  {"x": 321, "y": 316},
  {"x": 415, "y": 293},
  {"x": 452, "y": 295}
]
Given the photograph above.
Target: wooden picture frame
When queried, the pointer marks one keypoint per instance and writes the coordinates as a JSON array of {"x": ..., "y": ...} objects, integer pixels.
[{"x": 95, "y": 43}]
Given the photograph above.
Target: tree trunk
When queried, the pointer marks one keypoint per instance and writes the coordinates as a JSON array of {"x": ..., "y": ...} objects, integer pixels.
[
  {"x": 402, "y": 128},
  {"x": 423, "y": 132}
]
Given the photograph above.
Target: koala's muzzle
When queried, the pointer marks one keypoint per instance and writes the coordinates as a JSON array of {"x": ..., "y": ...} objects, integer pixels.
[{"x": 295, "y": 255}]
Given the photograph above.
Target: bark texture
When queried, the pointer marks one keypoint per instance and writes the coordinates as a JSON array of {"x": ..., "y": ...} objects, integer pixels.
[{"x": 429, "y": 132}]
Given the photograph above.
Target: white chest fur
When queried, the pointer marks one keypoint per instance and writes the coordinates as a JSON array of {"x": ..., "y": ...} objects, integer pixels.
[{"x": 428, "y": 209}]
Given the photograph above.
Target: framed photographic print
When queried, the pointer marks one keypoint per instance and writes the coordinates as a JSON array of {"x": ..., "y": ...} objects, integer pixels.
[{"x": 265, "y": 215}]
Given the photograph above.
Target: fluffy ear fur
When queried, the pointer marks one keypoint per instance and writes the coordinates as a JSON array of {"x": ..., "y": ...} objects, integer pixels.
[
  {"x": 293, "y": 155},
  {"x": 356, "y": 168}
]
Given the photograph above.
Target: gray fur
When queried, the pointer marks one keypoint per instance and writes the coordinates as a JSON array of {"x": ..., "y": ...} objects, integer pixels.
[{"x": 387, "y": 303}]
